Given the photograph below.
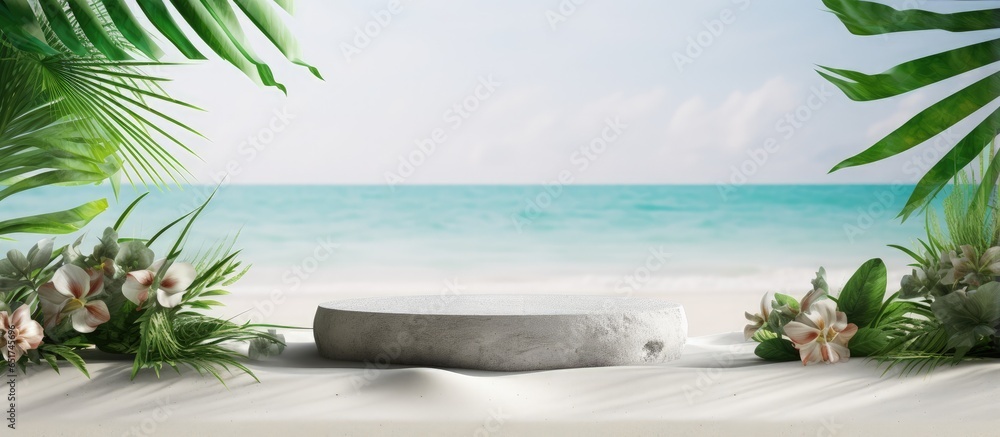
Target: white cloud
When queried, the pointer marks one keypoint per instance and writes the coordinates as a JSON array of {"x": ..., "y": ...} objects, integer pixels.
[{"x": 740, "y": 120}]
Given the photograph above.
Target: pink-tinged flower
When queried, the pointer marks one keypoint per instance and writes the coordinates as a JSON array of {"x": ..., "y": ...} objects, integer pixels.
[
  {"x": 821, "y": 334},
  {"x": 169, "y": 291},
  {"x": 26, "y": 333},
  {"x": 811, "y": 298},
  {"x": 757, "y": 321},
  {"x": 71, "y": 293}
]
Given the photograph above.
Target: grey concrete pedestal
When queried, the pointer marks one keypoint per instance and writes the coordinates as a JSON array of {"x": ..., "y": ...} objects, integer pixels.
[{"x": 501, "y": 332}]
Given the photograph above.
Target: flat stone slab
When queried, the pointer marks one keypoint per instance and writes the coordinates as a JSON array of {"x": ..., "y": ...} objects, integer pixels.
[{"x": 501, "y": 332}]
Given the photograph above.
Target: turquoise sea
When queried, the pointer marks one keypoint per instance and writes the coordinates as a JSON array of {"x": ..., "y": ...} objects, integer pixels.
[{"x": 526, "y": 238}]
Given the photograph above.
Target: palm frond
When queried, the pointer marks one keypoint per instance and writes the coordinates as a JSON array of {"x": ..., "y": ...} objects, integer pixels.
[
  {"x": 39, "y": 146},
  {"x": 110, "y": 27},
  {"x": 869, "y": 18}
]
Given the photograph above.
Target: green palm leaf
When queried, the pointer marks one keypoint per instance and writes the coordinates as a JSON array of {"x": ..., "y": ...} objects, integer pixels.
[
  {"x": 69, "y": 120},
  {"x": 122, "y": 16},
  {"x": 19, "y": 29},
  {"x": 218, "y": 28},
  {"x": 62, "y": 222},
  {"x": 94, "y": 29},
  {"x": 868, "y": 18},
  {"x": 269, "y": 23},
  {"x": 215, "y": 22},
  {"x": 56, "y": 16},
  {"x": 158, "y": 14},
  {"x": 38, "y": 147}
]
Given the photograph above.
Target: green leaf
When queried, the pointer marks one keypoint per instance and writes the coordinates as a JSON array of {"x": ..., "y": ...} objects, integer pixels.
[
  {"x": 867, "y": 342},
  {"x": 51, "y": 359},
  {"x": 59, "y": 22},
  {"x": 94, "y": 29},
  {"x": 19, "y": 261},
  {"x": 988, "y": 183},
  {"x": 952, "y": 163},
  {"x": 909, "y": 252},
  {"x": 208, "y": 20},
  {"x": 62, "y": 222},
  {"x": 870, "y": 18},
  {"x": 7, "y": 284},
  {"x": 40, "y": 254},
  {"x": 263, "y": 15},
  {"x": 158, "y": 14},
  {"x": 17, "y": 27},
  {"x": 969, "y": 317},
  {"x": 777, "y": 349},
  {"x": 763, "y": 334},
  {"x": 128, "y": 210},
  {"x": 123, "y": 19},
  {"x": 929, "y": 122},
  {"x": 134, "y": 255},
  {"x": 70, "y": 356},
  {"x": 862, "y": 296},
  {"x": 819, "y": 283},
  {"x": 784, "y": 299},
  {"x": 914, "y": 74}
]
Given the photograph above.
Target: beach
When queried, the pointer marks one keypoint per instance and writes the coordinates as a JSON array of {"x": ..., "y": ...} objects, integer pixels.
[{"x": 715, "y": 251}]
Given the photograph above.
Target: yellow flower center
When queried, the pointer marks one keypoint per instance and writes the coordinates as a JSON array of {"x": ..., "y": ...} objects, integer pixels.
[{"x": 73, "y": 305}]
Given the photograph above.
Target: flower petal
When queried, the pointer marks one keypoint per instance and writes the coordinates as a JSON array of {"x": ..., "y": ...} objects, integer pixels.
[
  {"x": 824, "y": 312},
  {"x": 52, "y": 302},
  {"x": 72, "y": 281},
  {"x": 809, "y": 353},
  {"x": 837, "y": 353},
  {"x": 96, "y": 281},
  {"x": 92, "y": 315},
  {"x": 969, "y": 253},
  {"x": 168, "y": 299},
  {"x": 48, "y": 293},
  {"x": 994, "y": 268},
  {"x": 811, "y": 298},
  {"x": 800, "y": 333},
  {"x": 992, "y": 255},
  {"x": 178, "y": 278},
  {"x": 839, "y": 323},
  {"x": 27, "y": 329},
  {"x": 136, "y": 286},
  {"x": 846, "y": 334}
]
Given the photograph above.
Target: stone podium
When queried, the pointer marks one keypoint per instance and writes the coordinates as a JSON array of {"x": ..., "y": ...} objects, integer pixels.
[{"x": 501, "y": 332}]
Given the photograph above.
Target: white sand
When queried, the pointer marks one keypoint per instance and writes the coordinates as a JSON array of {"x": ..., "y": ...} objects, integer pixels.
[{"x": 717, "y": 387}]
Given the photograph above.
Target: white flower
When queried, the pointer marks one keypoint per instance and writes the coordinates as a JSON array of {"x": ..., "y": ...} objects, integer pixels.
[
  {"x": 27, "y": 333},
  {"x": 70, "y": 293},
  {"x": 169, "y": 291},
  {"x": 757, "y": 321},
  {"x": 821, "y": 334}
]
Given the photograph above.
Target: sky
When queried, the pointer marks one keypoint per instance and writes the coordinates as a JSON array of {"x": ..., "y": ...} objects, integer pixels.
[{"x": 543, "y": 91}]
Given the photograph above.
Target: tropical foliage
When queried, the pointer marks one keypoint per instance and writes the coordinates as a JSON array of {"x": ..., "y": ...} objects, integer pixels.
[
  {"x": 947, "y": 309},
  {"x": 68, "y": 120},
  {"x": 118, "y": 299},
  {"x": 869, "y": 18},
  {"x": 110, "y": 27},
  {"x": 859, "y": 321},
  {"x": 77, "y": 106}
]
